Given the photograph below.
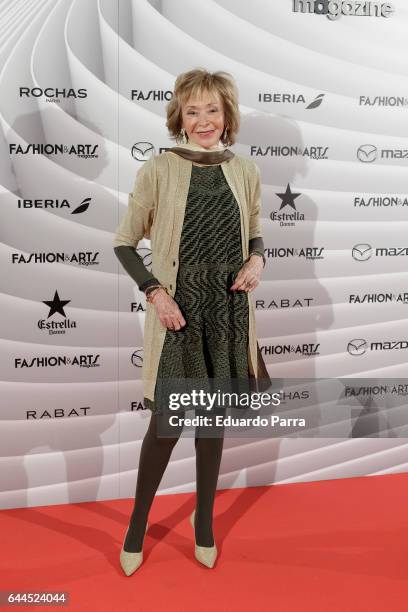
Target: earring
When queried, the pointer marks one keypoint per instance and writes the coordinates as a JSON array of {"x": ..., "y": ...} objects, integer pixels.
[
  {"x": 184, "y": 136},
  {"x": 224, "y": 135}
]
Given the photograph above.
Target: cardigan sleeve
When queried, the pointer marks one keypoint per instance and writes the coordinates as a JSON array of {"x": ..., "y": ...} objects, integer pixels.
[
  {"x": 134, "y": 266},
  {"x": 255, "y": 204},
  {"x": 256, "y": 245},
  {"x": 137, "y": 221},
  {"x": 136, "y": 224}
]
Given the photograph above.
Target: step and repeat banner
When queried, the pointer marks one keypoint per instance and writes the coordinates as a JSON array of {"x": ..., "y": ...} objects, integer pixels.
[{"x": 324, "y": 105}]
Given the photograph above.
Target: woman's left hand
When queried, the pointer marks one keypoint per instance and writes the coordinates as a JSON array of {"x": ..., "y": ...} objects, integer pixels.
[{"x": 249, "y": 275}]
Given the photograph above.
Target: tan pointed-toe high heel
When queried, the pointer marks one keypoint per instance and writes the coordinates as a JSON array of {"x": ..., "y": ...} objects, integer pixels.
[
  {"x": 131, "y": 561},
  {"x": 204, "y": 554}
]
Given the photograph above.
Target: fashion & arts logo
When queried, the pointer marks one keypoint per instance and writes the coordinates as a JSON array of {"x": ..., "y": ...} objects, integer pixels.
[{"x": 334, "y": 9}]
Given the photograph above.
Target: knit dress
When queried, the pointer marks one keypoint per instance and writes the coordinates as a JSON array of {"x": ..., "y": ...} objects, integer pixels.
[{"x": 214, "y": 342}]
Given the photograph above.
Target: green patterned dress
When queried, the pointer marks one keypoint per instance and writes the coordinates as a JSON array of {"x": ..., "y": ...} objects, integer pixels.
[{"x": 213, "y": 343}]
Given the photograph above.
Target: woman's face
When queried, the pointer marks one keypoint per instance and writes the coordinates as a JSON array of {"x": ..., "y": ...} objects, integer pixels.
[{"x": 203, "y": 119}]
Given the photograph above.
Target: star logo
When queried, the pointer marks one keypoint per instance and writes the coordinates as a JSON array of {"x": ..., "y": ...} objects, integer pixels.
[
  {"x": 288, "y": 198},
  {"x": 56, "y": 305}
]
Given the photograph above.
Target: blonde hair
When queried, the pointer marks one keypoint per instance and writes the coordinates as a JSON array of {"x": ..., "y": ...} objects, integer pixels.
[{"x": 199, "y": 80}]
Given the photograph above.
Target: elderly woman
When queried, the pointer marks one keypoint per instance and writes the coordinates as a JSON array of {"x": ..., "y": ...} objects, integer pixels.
[{"x": 199, "y": 204}]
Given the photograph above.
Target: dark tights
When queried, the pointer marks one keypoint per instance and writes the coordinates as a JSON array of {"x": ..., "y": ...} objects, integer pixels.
[{"x": 154, "y": 457}]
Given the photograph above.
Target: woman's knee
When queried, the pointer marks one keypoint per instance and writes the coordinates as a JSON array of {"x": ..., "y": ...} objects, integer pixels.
[
  {"x": 160, "y": 430},
  {"x": 169, "y": 443}
]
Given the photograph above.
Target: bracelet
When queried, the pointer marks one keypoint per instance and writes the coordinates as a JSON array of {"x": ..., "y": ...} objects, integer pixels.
[
  {"x": 256, "y": 253},
  {"x": 150, "y": 288},
  {"x": 152, "y": 293}
]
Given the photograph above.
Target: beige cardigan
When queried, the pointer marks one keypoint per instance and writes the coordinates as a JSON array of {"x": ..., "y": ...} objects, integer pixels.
[{"x": 156, "y": 212}]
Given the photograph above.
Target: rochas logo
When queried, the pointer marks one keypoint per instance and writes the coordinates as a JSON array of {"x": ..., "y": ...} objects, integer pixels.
[
  {"x": 82, "y": 258},
  {"x": 52, "y": 94},
  {"x": 336, "y": 8},
  {"x": 292, "y": 396},
  {"x": 82, "y": 361}
]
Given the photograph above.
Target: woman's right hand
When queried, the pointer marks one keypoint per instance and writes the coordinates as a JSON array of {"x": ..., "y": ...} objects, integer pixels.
[{"x": 168, "y": 311}]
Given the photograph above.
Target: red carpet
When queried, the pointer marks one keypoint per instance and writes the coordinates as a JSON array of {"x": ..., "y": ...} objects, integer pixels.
[{"x": 328, "y": 545}]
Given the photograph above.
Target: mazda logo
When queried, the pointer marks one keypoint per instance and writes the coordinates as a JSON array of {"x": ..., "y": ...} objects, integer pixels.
[
  {"x": 357, "y": 347},
  {"x": 142, "y": 151},
  {"x": 137, "y": 358},
  {"x": 146, "y": 255},
  {"x": 367, "y": 153},
  {"x": 362, "y": 252}
]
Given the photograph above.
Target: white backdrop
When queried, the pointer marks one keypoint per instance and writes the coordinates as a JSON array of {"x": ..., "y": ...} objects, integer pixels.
[{"x": 324, "y": 102}]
